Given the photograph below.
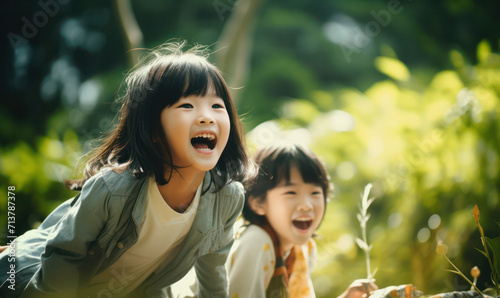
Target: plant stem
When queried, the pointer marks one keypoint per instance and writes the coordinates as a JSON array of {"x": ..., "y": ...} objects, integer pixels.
[
  {"x": 367, "y": 253},
  {"x": 483, "y": 241},
  {"x": 462, "y": 275}
]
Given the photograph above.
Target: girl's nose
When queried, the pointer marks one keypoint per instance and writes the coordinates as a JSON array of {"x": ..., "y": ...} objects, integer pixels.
[
  {"x": 205, "y": 119},
  {"x": 305, "y": 203}
]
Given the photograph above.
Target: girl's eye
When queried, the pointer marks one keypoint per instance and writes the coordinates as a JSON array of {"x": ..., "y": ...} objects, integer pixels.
[
  {"x": 218, "y": 106},
  {"x": 317, "y": 194},
  {"x": 290, "y": 192},
  {"x": 186, "y": 106}
]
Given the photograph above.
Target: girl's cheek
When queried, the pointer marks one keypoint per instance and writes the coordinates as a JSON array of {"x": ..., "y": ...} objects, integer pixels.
[
  {"x": 284, "y": 204},
  {"x": 320, "y": 205}
]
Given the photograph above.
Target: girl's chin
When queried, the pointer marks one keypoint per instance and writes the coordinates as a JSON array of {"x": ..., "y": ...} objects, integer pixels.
[
  {"x": 205, "y": 167},
  {"x": 303, "y": 238}
]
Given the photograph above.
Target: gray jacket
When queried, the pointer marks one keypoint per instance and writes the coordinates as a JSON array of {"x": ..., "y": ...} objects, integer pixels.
[{"x": 84, "y": 236}]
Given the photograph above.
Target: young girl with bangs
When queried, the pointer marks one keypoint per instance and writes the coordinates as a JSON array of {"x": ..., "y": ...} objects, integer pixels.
[
  {"x": 284, "y": 205},
  {"x": 159, "y": 196}
]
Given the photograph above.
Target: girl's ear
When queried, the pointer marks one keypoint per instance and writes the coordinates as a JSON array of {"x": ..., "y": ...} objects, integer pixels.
[{"x": 256, "y": 205}]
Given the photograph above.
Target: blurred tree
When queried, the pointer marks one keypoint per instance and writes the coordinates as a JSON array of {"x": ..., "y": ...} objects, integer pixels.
[
  {"x": 235, "y": 43},
  {"x": 131, "y": 30}
]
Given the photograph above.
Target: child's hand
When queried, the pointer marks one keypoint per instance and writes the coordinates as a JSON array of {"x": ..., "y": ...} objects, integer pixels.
[{"x": 360, "y": 288}]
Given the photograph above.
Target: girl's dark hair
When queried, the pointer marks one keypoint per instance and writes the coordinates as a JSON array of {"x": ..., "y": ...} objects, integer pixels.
[
  {"x": 275, "y": 164},
  {"x": 138, "y": 143}
]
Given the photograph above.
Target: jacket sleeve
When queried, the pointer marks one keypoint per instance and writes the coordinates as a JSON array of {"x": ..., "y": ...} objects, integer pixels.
[
  {"x": 67, "y": 244},
  {"x": 210, "y": 268}
]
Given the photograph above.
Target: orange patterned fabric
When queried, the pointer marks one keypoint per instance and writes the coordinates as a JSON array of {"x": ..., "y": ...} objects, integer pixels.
[
  {"x": 290, "y": 278},
  {"x": 298, "y": 286}
]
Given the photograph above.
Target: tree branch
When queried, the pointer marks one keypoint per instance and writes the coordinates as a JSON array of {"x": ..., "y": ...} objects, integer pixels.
[{"x": 131, "y": 29}]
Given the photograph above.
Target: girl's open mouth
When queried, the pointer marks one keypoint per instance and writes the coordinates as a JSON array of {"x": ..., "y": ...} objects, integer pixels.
[
  {"x": 204, "y": 142},
  {"x": 302, "y": 224}
]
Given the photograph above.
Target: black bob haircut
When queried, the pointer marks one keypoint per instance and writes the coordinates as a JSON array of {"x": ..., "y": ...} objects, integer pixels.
[
  {"x": 138, "y": 143},
  {"x": 275, "y": 164}
]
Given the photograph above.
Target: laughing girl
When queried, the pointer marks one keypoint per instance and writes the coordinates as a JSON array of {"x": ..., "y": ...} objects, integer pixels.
[
  {"x": 159, "y": 196},
  {"x": 285, "y": 204}
]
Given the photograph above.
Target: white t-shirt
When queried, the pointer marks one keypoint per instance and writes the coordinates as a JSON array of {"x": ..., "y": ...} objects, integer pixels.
[
  {"x": 160, "y": 233},
  {"x": 251, "y": 261}
]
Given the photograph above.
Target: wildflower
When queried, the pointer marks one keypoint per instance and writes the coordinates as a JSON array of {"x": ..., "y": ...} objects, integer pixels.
[
  {"x": 494, "y": 275},
  {"x": 475, "y": 213},
  {"x": 442, "y": 249},
  {"x": 475, "y": 274}
]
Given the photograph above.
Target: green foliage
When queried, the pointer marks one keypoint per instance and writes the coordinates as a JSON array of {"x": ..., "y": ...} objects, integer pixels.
[
  {"x": 494, "y": 252},
  {"x": 490, "y": 251},
  {"x": 415, "y": 112},
  {"x": 430, "y": 150},
  {"x": 37, "y": 174}
]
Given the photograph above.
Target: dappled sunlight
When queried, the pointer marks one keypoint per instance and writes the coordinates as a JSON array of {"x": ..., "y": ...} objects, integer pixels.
[
  {"x": 384, "y": 92},
  {"x": 424, "y": 148},
  {"x": 393, "y": 68}
]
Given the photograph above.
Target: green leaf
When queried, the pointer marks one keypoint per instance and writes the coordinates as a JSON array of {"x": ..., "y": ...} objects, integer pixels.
[
  {"x": 392, "y": 68},
  {"x": 362, "y": 244},
  {"x": 364, "y": 197},
  {"x": 484, "y": 254},
  {"x": 453, "y": 271},
  {"x": 483, "y": 51},
  {"x": 494, "y": 246},
  {"x": 370, "y": 201}
]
